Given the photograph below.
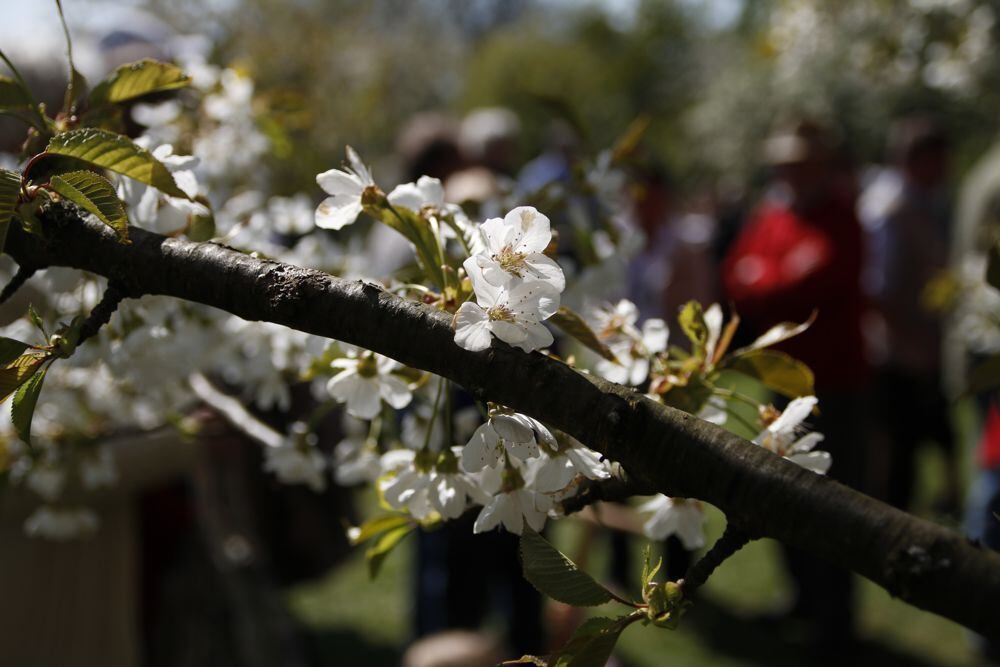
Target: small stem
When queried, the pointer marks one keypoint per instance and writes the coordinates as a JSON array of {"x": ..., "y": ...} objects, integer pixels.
[
  {"x": 31, "y": 163},
  {"x": 102, "y": 312},
  {"x": 729, "y": 393},
  {"x": 434, "y": 414},
  {"x": 733, "y": 539},
  {"x": 449, "y": 410},
  {"x": 21, "y": 277}
]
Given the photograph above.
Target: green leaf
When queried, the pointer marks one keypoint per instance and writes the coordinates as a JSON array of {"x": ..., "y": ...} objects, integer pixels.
[
  {"x": 137, "y": 79},
  {"x": 692, "y": 321},
  {"x": 986, "y": 375},
  {"x": 116, "y": 153},
  {"x": 17, "y": 372},
  {"x": 592, "y": 643},
  {"x": 552, "y": 573},
  {"x": 993, "y": 265},
  {"x": 418, "y": 232},
  {"x": 10, "y": 350},
  {"x": 379, "y": 524},
  {"x": 95, "y": 194},
  {"x": 36, "y": 319},
  {"x": 10, "y": 187},
  {"x": 22, "y": 408},
  {"x": 572, "y": 324},
  {"x": 13, "y": 96},
  {"x": 776, "y": 371},
  {"x": 590, "y": 646},
  {"x": 383, "y": 546}
]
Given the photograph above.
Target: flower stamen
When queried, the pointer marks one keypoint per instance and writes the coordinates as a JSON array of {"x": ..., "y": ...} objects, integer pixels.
[{"x": 510, "y": 261}]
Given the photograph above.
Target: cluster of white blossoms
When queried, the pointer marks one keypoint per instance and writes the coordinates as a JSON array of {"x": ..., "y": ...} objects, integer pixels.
[
  {"x": 633, "y": 347},
  {"x": 516, "y": 285},
  {"x": 511, "y": 465},
  {"x": 641, "y": 360}
]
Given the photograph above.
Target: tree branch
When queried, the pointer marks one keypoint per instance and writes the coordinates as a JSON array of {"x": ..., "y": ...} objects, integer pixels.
[{"x": 661, "y": 448}]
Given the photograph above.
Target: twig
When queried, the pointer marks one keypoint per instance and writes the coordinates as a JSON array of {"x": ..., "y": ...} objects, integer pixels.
[
  {"x": 234, "y": 412},
  {"x": 102, "y": 312},
  {"x": 733, "y": 539},
  {"x": 22, "y": 276}
]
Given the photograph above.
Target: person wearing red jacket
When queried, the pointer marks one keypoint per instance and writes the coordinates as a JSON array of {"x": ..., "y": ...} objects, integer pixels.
[{"x": 801, "y": 252}]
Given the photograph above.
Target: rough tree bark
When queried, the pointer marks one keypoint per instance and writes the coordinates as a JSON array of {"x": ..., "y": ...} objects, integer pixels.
[{"x": 660, "y": 448}]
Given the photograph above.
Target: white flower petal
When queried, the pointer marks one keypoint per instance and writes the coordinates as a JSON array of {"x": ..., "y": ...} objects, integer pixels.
[
  {"x": 818, "y": 462},
  {"x": 511, "y": 513},
  {"x": 655, "y": 335},
  {"x": 472, "y": 328},
  {"x": 337, "y": 212},
  {"x": 533, "y": 229},
  {"x": 489, "y": 516},
  {"x": 337, "y": 182},
  {"x": 394, "y": 391},
  {"x": 482, "y": 450},
  {"x": 545, "y": 269}
]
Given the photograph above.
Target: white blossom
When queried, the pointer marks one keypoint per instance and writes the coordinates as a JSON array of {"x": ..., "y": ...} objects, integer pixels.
[
  {"x": 514, "y": 501},
  {"x": 426, "y": 191},
  {"x": 154, "y": 210},
  {"x": 403, "y": 485},
  {"x": 614, "y": 321},
  {"x": 556, "y": 472},
  {"x": 514, "y": 251},
  {"x": 47, "y": 480},
  {"x": 633, "y": 351},
  {"x": 98, "y": 469},
  {"x": 364, "y": 381},
  {"x": 513, "y": 509},
  {"x": 512, "y": 432},
  {"x": 61, "y": 524},
  {"x": 345, "y": 187},
  {"x": 514, "y": 316},
  {"x": 297, "y": 460},
  {"x": 675, "y": 516},
  {"x": 784, "y": 436},
  {"x": 354, "y": 462}
]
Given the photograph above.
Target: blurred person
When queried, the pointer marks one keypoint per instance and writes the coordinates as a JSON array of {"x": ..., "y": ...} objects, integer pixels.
[
  {"x": 800, "y": 252},
  {"x": 488, "y": 138},
  {"x": 910, "y": 241},
  {"x": 427, "y": 145},
  {"x": 676, "y": 262},
  {"x": 555, "y": 164}
]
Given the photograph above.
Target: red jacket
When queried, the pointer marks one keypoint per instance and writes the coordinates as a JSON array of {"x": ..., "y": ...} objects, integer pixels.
[
  {"x": 989, "y": 443},
  {"x": 784, "y": 265}
]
